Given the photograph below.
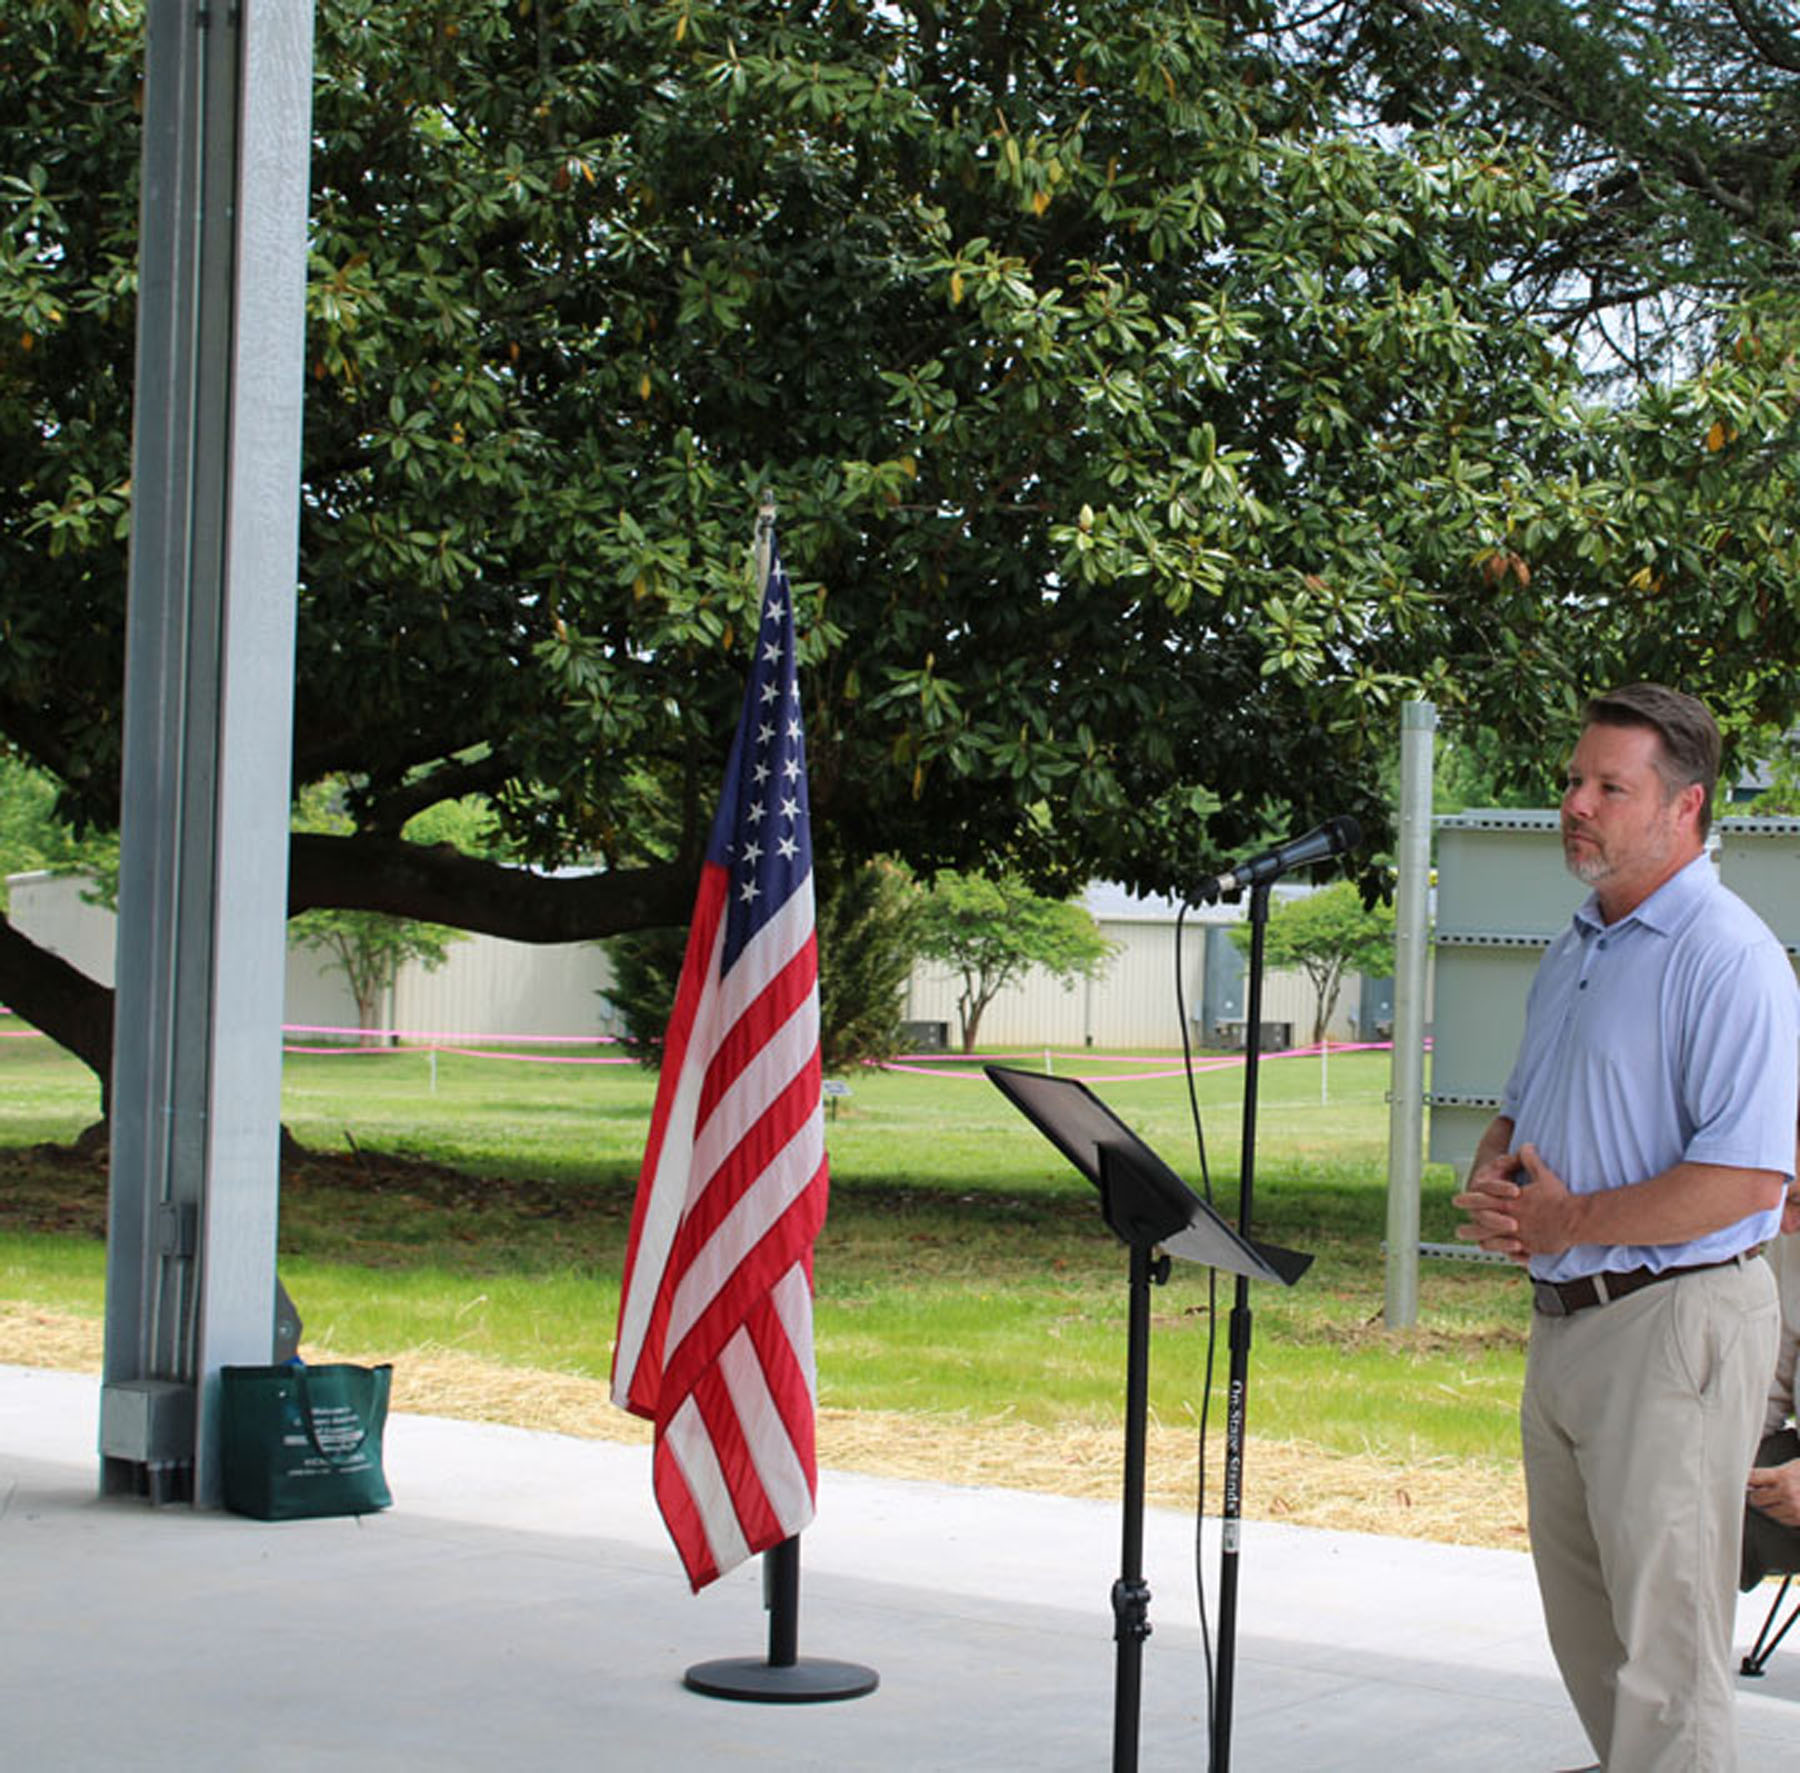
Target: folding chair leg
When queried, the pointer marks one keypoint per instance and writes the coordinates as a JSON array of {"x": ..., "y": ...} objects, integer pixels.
[{"x": 1761, "y": 1651}]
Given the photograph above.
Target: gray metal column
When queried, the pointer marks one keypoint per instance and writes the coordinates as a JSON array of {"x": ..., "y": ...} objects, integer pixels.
[
  {"x": 196, "y": 1096},
  {"x": 1406, "y": 1097}
]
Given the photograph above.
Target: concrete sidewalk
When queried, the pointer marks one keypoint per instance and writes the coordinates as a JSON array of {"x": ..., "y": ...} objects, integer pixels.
[{"x": 520, "y": 1608}]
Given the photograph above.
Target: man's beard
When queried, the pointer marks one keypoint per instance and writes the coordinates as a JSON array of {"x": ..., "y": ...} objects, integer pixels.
[{"x": 1587, "y": 865}]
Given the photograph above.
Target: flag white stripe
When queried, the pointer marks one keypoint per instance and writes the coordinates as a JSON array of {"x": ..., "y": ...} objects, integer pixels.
[
  {"x": 744, "y": 1227},
  {"x": 771, "y": 1450},
  {"x": 667, "y": 1201},
  {"x": 792, "y": 1299},
  {"x": 687, "y": 1439}
]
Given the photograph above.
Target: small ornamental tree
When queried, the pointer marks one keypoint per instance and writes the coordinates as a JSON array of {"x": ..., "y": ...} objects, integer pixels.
[
  {"x": 868, "y": 941},
  {"x": 992, "y": 932},
  {"x": 369, "y": 948},
  {"x": 1326, "y": 935}
]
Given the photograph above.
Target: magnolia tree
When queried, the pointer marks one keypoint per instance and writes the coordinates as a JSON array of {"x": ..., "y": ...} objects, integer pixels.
[
  {"x": 1670, "y": 121},
  {"x": 1674, "y": 270},
  {"x": 1145, "y": 431}
]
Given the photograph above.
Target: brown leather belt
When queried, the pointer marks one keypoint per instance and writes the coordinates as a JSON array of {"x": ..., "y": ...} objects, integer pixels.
[{"x": 1565, "y": 1298}]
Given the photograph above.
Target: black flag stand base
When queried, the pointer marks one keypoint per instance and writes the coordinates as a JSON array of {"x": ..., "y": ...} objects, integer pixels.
[{"x": 786, "y": 1678}]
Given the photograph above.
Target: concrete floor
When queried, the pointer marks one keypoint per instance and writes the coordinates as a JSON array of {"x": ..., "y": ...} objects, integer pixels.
[{"x": 520, "y": 1608}]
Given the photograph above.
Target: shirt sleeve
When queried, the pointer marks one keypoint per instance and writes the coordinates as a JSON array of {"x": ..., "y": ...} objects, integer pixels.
[{"x": 1741, "y": 1076}]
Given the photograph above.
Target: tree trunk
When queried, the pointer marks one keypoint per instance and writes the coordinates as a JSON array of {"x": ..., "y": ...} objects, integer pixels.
[
  {"x": 368, "y": 1013},
  {"x": 1328, "y": 981}
]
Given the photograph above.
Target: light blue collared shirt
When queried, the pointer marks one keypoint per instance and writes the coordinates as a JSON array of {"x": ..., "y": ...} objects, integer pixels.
[{"x": 1672, "y": 1035}]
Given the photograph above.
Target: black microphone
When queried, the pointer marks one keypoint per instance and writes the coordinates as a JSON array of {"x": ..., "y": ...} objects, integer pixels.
[{"x": 1332, "y": 838}]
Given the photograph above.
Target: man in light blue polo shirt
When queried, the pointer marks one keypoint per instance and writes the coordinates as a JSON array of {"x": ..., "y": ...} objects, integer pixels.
[{"x": 1642, "y": 1151}]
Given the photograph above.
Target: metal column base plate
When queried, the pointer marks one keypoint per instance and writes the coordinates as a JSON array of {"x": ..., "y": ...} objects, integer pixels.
[{"x": 809, "y": 1681}]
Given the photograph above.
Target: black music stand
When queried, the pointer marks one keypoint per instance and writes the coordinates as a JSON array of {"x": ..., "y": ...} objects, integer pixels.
[{"x": 1150, "y": 1209}]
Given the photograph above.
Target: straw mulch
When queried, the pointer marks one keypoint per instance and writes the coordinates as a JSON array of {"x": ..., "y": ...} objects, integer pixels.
[{"x": 1451, "y": 1501}]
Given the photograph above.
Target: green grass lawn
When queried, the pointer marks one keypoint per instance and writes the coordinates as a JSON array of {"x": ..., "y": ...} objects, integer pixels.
[{"x": 964, "y": 1268}]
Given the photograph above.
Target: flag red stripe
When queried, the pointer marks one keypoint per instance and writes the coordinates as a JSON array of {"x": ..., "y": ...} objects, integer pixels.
[
  {"x": 726, "y": 1488},
  {"x": 790, "y": 1383},
  {"x": 696, "y": 967},
  {"x": 744, "y": 1153},
  {"x": 756, "y": 1518},
  {"x": 724, "y": 1103},
  {"x": 682, "y": 1515},
  {"x": 655, "y": 1220},
  {"x": 752, "y": 1185}
]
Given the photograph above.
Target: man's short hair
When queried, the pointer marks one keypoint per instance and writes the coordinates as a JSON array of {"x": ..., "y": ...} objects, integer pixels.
[{"x": 1689, "y": 734}]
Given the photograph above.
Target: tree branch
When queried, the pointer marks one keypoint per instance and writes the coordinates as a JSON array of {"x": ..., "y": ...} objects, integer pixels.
[
  {"x": 389, "y": 809},
  {"x": 441, "y": 885},
  {"x": 1776, "y": 46}
]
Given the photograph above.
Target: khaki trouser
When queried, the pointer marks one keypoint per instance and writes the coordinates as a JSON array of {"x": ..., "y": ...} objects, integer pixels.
[{"x": 1639, "y": 1421}]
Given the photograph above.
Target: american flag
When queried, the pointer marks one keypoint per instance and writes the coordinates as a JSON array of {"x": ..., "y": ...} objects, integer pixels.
[{"x": 715, "y": 1320}]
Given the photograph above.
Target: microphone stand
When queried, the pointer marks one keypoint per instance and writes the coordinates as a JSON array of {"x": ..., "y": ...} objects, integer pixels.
[{"x": 1237, "y": 1395}]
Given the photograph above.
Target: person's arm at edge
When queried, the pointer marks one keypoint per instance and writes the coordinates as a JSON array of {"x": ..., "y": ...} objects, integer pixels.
[{"x": 1775, "y": 1489}]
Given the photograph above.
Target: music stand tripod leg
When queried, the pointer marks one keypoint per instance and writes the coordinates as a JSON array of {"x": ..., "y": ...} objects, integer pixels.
[{"x": 1131, "y": 1594}]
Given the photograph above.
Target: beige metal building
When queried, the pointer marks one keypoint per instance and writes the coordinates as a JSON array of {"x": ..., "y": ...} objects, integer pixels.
[{"x": 511, "y": 989}]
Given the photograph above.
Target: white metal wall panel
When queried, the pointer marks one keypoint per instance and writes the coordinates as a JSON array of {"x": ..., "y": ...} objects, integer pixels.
[
  {"x": 1035, "y": 1009},
  {"x": 1501, "y": 873},
  {"x": 491, "y": 986},
  {"x": 49, "y": 910},
  {"x": 317, "y": 995},
  {"x": 1759, "y": 859},
  {"x": 1132, "y": 1005},
  {"x": 1502, "y": 894}
]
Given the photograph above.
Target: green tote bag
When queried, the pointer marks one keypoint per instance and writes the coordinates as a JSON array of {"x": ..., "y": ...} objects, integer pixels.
[{"x": 298, "y": 1442}]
